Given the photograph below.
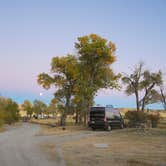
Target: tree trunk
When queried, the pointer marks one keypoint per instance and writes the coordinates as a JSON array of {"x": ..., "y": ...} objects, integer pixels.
[
  {"x": 137, "y": 101},
  {"x": 76, "y": 117},
  {"x": 143, "y": 101},
  {"x": 86, "y": 112},
  {"x": 143, "y": 105},
  {"x": 63, "y": 119},
  {"x": 80, "y": 118},
  {"x": 163, "y": 98},
  {"x": 147, "y": 91},
  {"x": 84, "y": 118}
]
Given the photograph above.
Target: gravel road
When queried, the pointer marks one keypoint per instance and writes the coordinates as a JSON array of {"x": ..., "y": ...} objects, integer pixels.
[{"x": 20, "y": 146}]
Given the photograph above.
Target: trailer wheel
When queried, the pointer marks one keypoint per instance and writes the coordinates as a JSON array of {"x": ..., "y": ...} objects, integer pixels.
[
  {"x": 93, "y": 128},
  {"x": 109, "y": 128},
  {"x": 122, "y": 126}
]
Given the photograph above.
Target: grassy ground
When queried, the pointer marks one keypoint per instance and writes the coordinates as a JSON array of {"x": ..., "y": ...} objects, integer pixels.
[
  {"x": 44, "y": 121},
  {"x": 125, "y": 148},
  {"x": 51, "y": 121},
  {"x": 128, "y": 147},
  {"x": 163, "y": 114},
  {"x": 46, "y": 130},
  {"x": 50, "y": 150},
  {"x": 1, "y": 129}
]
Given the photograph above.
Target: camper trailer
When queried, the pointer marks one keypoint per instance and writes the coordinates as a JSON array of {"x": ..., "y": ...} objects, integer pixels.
[{"x": 104, "y": 117}]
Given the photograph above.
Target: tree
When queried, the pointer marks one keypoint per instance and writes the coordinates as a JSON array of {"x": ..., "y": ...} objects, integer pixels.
[
  {"x": 53, "y": 107},
  {"x": 39, "y": 107},
  {"x": 163, "y": 97},
  {"x": 28, "y": 107},
  {"x": 142, "y": 83},
  {"x": 9, "y": 111},
  {"x": 95, "y": 56},
  {"x": 81, "y": 76},
  {"x": 63, "y": 77},
  {"x": 159, "y": 97},
  {"x": 148, "y": 84},
  {"x": 133, "y": 83}
]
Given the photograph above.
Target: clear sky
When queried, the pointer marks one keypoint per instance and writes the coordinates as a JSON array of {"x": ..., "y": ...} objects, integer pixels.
[{"x": 33, "y": 31}]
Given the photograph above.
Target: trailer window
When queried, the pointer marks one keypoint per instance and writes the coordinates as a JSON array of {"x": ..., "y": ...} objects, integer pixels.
[
  {"x": 97, "y": 109},
  {"x": 117, "y": 115}
]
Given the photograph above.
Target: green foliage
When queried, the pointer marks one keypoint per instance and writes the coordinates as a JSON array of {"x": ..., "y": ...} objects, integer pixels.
[
  {"x": 9, "y": 111},
  {"x": 28, "y": 107},
  {"x": 64, "y": 75},
  {"x": 135, "y": 118},
  {"x": 78, "y": 78},
  {"x": 55, "y": 107},
  {"x": 1, "y": 123},
  {"x": 39, "y": 107},
  {"x": 154, "y": 118},
  {"x": 45, "y": 80},
  {"x": 1, "y": 119},
  {"x": 95, "y": 57}
]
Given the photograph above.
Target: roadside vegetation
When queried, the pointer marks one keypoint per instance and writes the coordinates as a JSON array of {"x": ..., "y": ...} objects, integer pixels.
[
  {"x": 78, "y": 77},
  {"x": 9, "y": 111},
  {"x": 148, "y": 88}
]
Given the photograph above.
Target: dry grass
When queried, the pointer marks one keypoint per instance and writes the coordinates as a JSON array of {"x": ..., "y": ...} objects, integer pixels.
[
  {"x": 52, "y": 121},
  {"x": 50, "y": 150},
  {"x": 124, "y": 110},
  {"x": 163, "y": 114},
  {"x": 125, "y": 148},
  {"x": 44, "y": 121},
  {"x": 46, "y": 130},
  {"x": 2, "y": 129}
]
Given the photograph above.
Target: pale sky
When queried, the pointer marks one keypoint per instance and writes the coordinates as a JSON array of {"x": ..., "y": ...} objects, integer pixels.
[{"x": 33, "y": 31}]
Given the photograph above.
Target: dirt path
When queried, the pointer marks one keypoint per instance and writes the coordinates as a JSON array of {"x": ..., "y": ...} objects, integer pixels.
[{"x": 20, "y": 146}]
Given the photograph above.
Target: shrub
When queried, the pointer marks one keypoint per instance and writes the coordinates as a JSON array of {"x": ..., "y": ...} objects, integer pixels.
[
  {"x": 1, "y": 122},
  {"x": 9, "y": 112},
  {"x": 154, "y": 118},
  {"x": 135, "y": 118},
  {"x": 1, "y": 119}
]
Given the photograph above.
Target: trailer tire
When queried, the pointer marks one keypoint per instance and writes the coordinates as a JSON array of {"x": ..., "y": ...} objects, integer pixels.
[
  {"x": 109, "y": 128},
  {"x": 122, "y": 126},
  {"x": 93, "y": 128}
]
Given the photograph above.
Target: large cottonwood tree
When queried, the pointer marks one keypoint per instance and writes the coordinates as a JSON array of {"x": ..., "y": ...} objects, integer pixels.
[
  {"x": 63, "y": 76},
  {"x": 78, "y": 78},
  {"x": 96, "y": 55}
]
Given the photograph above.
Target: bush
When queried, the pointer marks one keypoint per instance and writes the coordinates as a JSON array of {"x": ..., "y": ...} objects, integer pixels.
[
  {"x": 1, "y": 122},
  {"x": 9, "y": 112},
  {"x": 135, "y": 118},
  {"x": 1, "y": 119},
  {"x": 154, "y": 118}
]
